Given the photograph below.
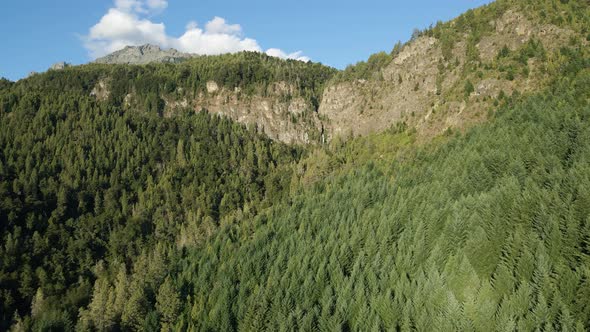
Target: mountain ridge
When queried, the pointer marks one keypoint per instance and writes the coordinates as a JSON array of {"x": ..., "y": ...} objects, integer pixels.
[
  {"x": 144, "y": 54},
  {"x": 449, "y": 75},
  {"x": 422, "y": 83}
]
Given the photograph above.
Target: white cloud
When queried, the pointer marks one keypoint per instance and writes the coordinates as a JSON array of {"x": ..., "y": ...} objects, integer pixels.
[
  {"x": 281, "y": 54},
  {"x": 128, "y": 23},
  {"x": 196, "y": 40},
  {"x": 119, "y": 28},
  {"x": 157, "y": 4},
  {"x": 218, "y": 37},
  {"x": 218, "y": 26}
]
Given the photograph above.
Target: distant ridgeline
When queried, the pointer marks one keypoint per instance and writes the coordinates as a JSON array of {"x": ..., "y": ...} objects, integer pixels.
[
  {"x": 280, "y": 97},
  {"x": 443, "y": 186}
]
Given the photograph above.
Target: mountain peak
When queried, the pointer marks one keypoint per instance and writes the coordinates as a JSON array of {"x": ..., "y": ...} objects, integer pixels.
[{"x": 143, "y": 54}]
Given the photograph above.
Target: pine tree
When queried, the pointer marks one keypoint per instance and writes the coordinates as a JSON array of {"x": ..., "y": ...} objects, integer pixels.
[
  {"x": 38, "y": 305},
  {"x": 135, "y": 309},
  {"x": 168, "y": 304},
  {"x": 101, "y": 306}
]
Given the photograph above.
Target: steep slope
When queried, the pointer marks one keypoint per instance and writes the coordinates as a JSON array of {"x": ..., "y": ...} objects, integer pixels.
[
  {"x": 486, "y": 232},
  {"x": 86, "y": 187},
  {"x": 124, "y": 205},
  {"x": 447, "y": 77},
  {"x": 450, "y": 75}
]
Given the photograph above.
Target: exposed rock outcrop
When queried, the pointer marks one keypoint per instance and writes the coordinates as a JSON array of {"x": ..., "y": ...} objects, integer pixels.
[
  {"x": 59, "y": 66},
  {"x": 279, "y": 111},
  {"x": 101, "y": 90},
  {"x": 425, "y": 90}
]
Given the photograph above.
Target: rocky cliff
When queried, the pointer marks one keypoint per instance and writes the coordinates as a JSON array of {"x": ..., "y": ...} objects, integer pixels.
[
  {"x": 280, "y": 116},
  {"x": 280, "y": 98},
  {"x": 279, "y": 111},
  {"x": 434, "y": 92}
]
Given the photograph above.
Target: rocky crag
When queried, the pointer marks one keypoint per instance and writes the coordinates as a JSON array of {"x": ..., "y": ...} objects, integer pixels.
[{"x": 433, "y": 92}]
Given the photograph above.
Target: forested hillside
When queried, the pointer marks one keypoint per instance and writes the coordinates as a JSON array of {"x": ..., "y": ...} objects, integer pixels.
[
  {"x": 87, "y": 188},
  {"x": 487, "y": 231},
  {"x": 124, "y": 209},
  {"x": 280, "y": 97}
]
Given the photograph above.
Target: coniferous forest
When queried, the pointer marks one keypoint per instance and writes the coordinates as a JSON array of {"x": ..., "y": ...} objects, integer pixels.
[{"x": 116, "y": 218}]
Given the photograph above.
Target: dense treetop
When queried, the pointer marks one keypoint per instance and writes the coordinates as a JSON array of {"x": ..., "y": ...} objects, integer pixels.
[
  {"x": 85, "y": 184},
  {"x": 489, "y": 230}
]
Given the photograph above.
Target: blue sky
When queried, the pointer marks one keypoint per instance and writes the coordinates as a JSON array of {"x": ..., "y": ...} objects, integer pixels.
[{"x": 37, "y": 33}]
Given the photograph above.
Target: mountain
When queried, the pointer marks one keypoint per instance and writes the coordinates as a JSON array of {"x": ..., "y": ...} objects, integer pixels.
[
  {"x": 450, "y": 75},
  {"x": 440, "y": 186},
  {"x": 446, "y": 78},
  {"x": 144, "y": 54}
]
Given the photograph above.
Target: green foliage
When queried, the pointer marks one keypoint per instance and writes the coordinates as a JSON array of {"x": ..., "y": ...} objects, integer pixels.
[
  {"x": 370, "y": 69},
  {"x": 447, "y": 44},
  {"x": 477, "y": 233},
  {"x": 469, "y": 88},
  {"x": 504, "y": 52},
  {"x": 88, "y": 190},
  {"x": 168, "y": 304},
  {"x": 4, "y": 83},
  {"x": 397, "y": 48},
  {"x": 532, "y": 49}
]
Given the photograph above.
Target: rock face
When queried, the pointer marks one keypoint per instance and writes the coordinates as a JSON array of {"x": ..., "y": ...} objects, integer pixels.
[
  {"x": 101, "y": 90},
  {"x": 279, "y": 111},
  {"x": 144, "y": 54},
  {"x": 426, "y": 91},
  {"x": 59, "y": 66}
]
